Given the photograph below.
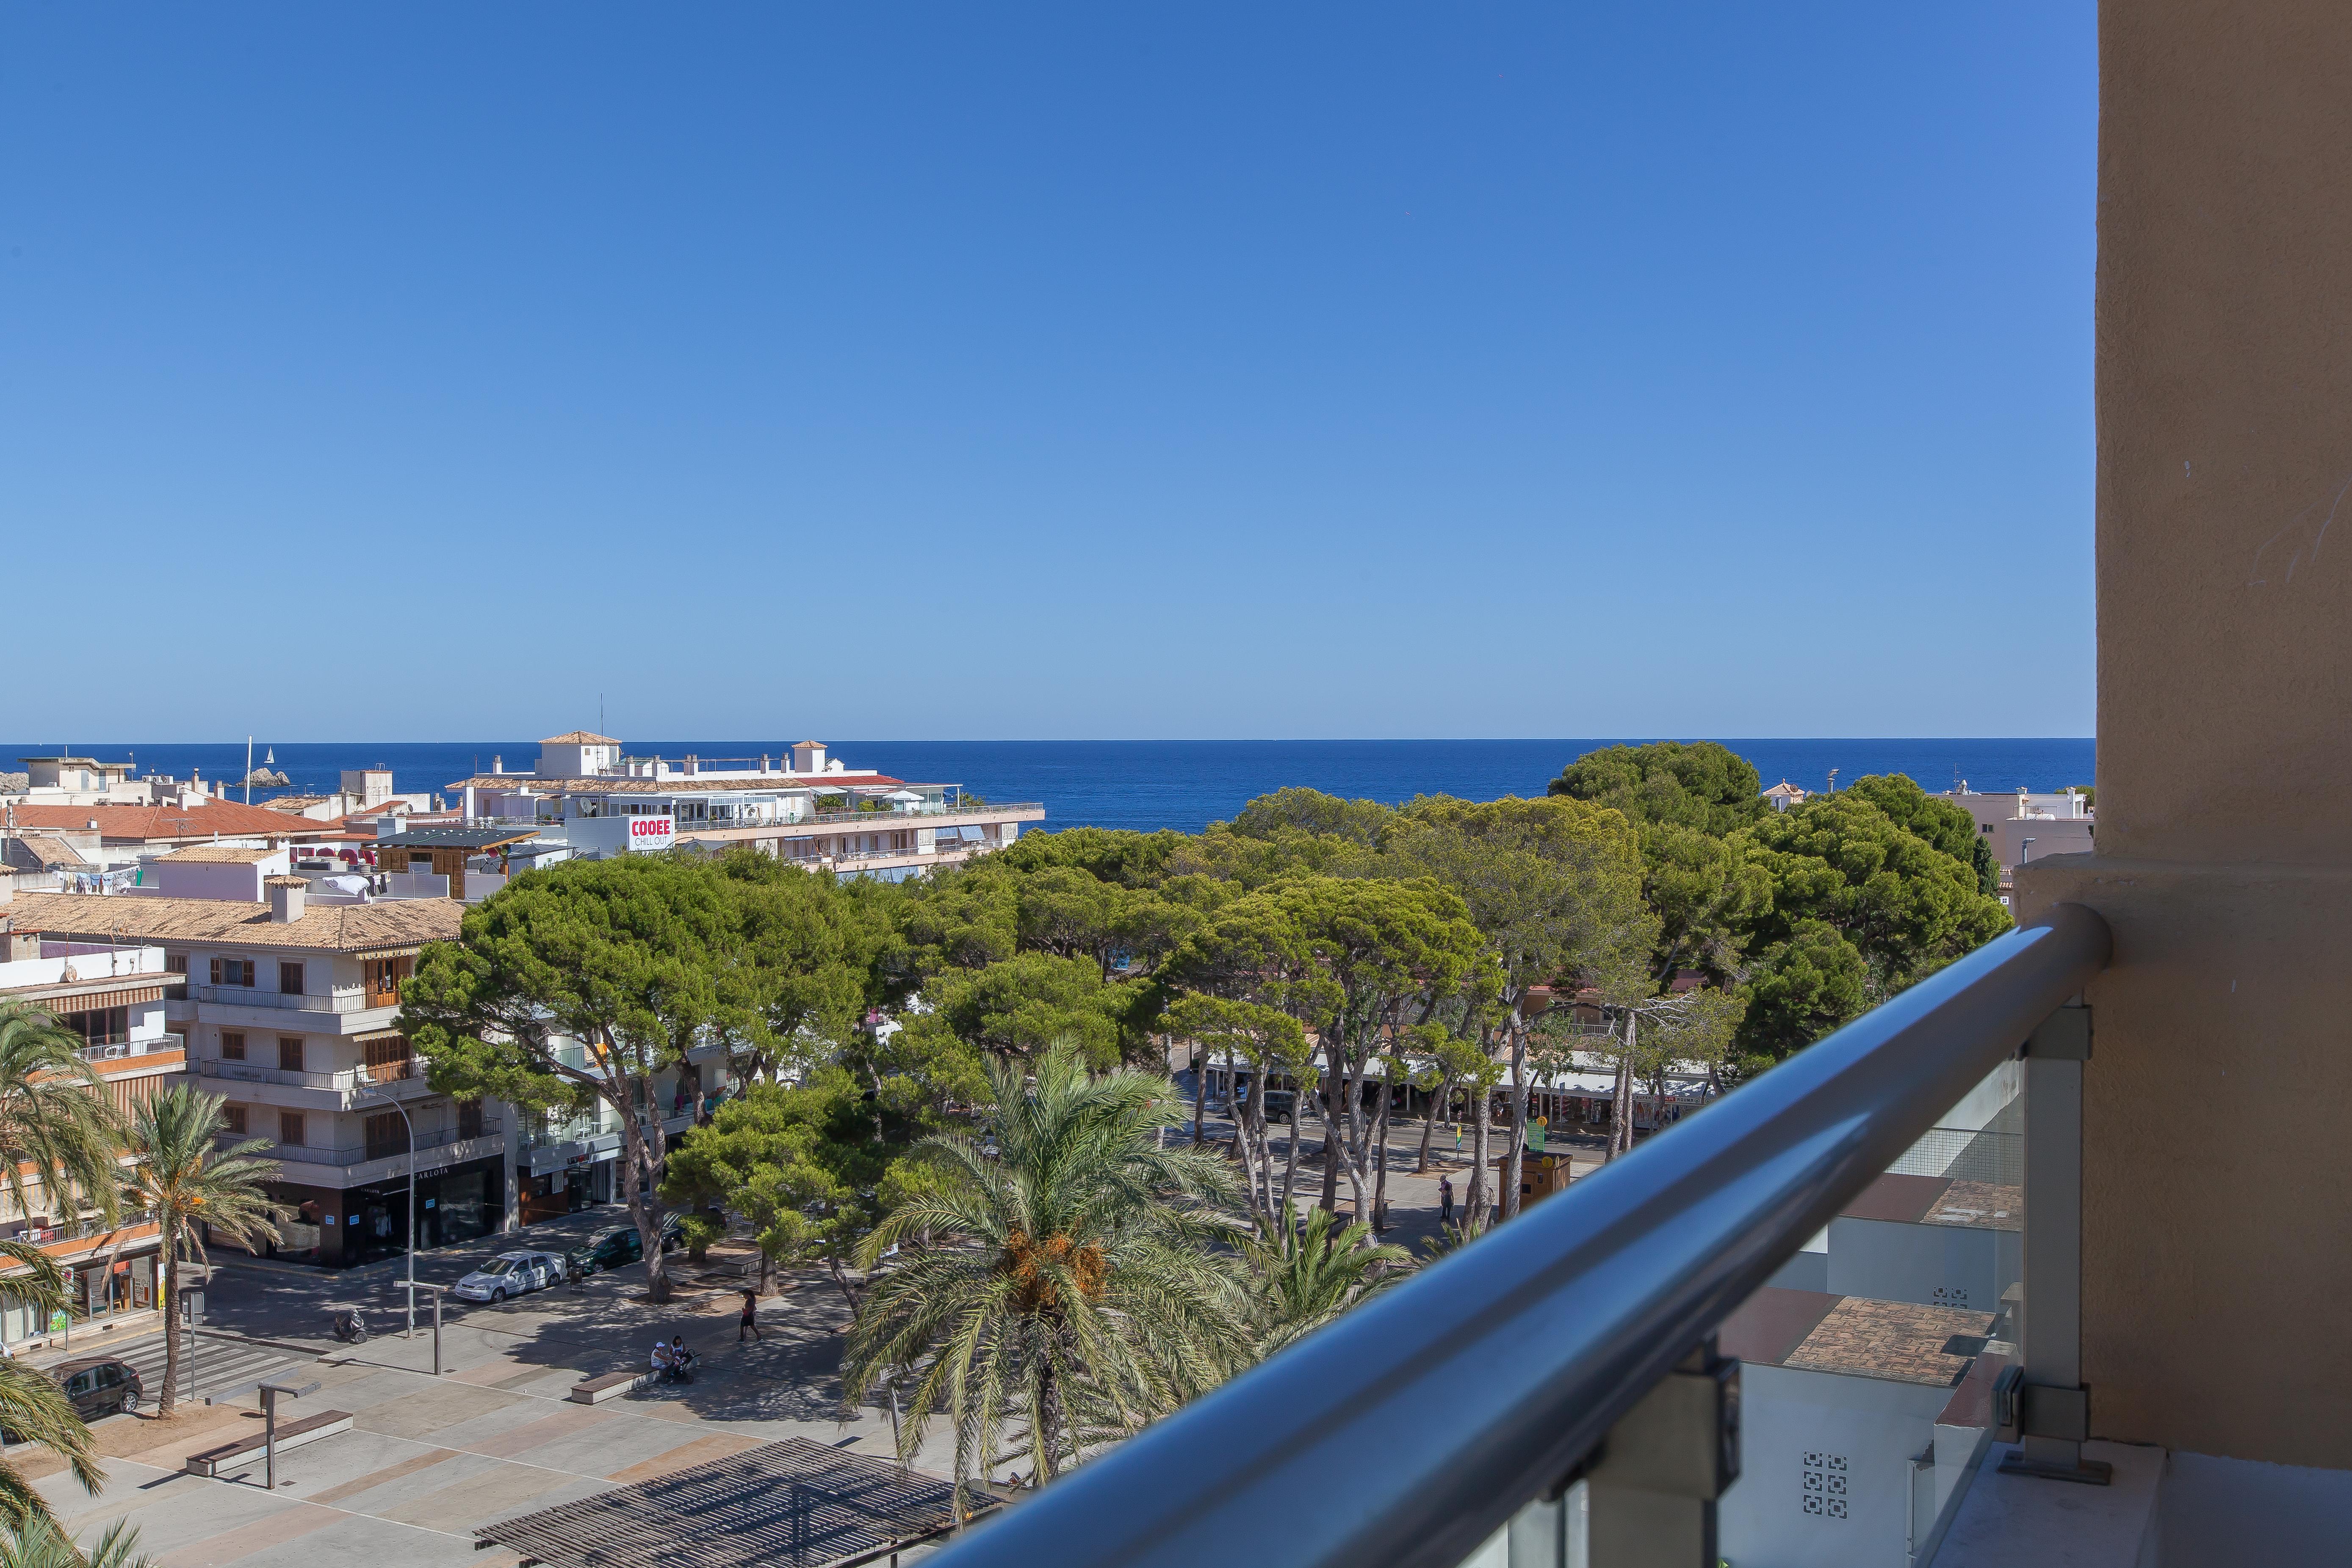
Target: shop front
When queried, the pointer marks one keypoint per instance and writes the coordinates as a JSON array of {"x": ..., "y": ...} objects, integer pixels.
[
  {"x": 338, "y": 1227},
  {"x": 454, "y": 1204},
  {"x": 97, "y": 1287}
]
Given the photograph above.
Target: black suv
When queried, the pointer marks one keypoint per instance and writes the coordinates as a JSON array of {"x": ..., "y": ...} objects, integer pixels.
[
  {"x": 618, "y": 1245},
  {"x": 100, "y": 1385}
]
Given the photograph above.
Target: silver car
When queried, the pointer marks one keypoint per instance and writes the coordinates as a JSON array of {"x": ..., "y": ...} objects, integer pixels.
[{"x": 511, "y": 1274}]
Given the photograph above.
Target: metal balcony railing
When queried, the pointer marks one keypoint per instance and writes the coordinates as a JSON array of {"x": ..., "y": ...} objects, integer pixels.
[
  {"x": 111, "y": 1050},
  {"x": 342, "y": 999},
  {"x": 362, "y": 1153},
  {"x": 1442, "y": 1410},
  {"x": 346, "y": 1080}
]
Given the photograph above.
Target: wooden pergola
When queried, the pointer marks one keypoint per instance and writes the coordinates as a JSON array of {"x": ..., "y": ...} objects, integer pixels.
[{"x": 792, "y": 1504}]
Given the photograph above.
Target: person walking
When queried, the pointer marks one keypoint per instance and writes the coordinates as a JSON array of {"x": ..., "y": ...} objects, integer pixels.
[
  {"x": 1445, "y": 1200},
  {"x": 749, "y": 1323}
]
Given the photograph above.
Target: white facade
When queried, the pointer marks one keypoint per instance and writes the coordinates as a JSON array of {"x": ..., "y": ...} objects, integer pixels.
[{"x": 801, "y": 806}]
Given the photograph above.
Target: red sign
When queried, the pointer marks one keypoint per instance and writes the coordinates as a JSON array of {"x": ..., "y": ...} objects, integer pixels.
[{"x": 650, "y": 832}]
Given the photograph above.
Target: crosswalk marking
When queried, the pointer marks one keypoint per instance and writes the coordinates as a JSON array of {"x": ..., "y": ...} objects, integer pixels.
[{"x": 217, "y": 1365}]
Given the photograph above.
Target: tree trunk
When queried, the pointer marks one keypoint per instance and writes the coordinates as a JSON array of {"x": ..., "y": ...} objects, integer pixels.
[
  {"x": 1475, "y": 1201},
  {"x": 643, "y": 1209},
  {"x": 1200, "y": 1088},
  {"x": 1290, "y": 1163},
  {"x": 1516, "y": 1154},
  {"x": 848, "y": 1291},
  {"x": 1437, "y": 1103},
  {"x": 1620, "y": 1105},
  {"x": 165, "y": 1401},
  {"x": 1380, "y": 1216},
  {"x": 1325, "y": 1105}
]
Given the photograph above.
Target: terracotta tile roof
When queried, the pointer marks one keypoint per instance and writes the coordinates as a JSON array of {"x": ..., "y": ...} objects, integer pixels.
[
  {"x": 44, "y": 852},
  {"x": 221, "y": 854},
  {"x": 580, "y": 738},
  {"x": 327, "y": 928},
  {"x": 168, "y": 824},
  {"x": 295, "y": 802},
  {"x": 1981, "y": 1205},
  {"x": 1894, "y": 1340}
]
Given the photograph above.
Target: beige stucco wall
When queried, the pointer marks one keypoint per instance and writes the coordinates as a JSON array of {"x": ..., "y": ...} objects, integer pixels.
[{"x": 2218, "y": 1205}]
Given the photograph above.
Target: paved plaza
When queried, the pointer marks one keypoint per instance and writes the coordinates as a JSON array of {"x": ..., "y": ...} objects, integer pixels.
[{"x": 429, "y": 1459}]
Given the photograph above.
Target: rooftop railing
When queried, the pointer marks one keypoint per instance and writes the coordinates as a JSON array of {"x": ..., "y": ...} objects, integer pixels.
[{"x": 1444, "y": 1423}]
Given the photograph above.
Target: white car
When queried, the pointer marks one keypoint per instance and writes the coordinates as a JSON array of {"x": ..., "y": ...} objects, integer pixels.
[{"x": 511, "y": 1274}]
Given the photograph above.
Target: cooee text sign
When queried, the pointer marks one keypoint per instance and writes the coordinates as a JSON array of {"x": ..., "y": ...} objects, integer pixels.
[{"x": 651, "y": 832}]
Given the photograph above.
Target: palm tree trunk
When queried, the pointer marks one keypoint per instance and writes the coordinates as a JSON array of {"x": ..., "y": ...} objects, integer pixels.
[{"x": 165, "y": 1401}]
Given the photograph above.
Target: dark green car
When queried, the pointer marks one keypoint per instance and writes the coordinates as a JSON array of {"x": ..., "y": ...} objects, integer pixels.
[{"x": 618, "y": 1245}]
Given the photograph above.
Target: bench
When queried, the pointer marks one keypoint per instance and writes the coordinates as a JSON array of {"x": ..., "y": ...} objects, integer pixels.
[
  {"x": 611, "y": 1385},
  {"x": 291, "y": 1434}
]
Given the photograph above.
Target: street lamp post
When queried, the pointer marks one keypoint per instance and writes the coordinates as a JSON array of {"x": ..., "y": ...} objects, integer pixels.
[{"x": 372, "y": 1093}]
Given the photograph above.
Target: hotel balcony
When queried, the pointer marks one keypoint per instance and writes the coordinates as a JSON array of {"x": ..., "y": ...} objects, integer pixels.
[
  {"x": 346, "y": 1010},
  {"x": 1804, "y": 1328},
  {"x": 354, "y": 1088},
  {"x": 357, "y": 1165}
]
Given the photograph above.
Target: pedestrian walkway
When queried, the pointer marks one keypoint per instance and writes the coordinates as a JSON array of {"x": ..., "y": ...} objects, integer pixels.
[{"x": 217, "y": 1364}]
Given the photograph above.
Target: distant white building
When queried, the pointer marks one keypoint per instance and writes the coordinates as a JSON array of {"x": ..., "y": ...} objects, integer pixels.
[
  {"x": 2022, "y": 826},
  {"x": 1785, "y": 797},
  {"x": 802, "y": 805}
]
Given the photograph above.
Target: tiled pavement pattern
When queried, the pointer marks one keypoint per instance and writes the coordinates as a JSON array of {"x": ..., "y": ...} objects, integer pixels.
[
  {"x": 1894, "y": 1340},
  {"x": 429, "y": 1459}
]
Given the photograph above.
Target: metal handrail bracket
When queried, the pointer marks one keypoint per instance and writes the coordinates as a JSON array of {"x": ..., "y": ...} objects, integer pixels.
[{"x": 1439, "y": 1409}]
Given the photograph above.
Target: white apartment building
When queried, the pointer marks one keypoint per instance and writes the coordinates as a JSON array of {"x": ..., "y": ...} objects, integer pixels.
[
  {"x": 2024, "y": 826},
  {"x": 111, "y": 994},
  {"x": 801, "y": 806},
  {"x": 290, "y": 1012}
]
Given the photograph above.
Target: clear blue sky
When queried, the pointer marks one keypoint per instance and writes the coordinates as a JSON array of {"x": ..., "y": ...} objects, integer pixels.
[{"x": 1095, "y": 370}]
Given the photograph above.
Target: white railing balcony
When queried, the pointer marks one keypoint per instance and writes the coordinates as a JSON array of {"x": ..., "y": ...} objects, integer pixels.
[
  {"x": 115, "y": 1050},
  {"x": 342, "y": 999}
]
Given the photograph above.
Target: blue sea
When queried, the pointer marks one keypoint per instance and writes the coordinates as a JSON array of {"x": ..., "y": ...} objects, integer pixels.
[{"x": 1150, "y": 784}]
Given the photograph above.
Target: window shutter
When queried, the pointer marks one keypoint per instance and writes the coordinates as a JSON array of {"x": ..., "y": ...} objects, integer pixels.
[{"x": 216, "y": 971}]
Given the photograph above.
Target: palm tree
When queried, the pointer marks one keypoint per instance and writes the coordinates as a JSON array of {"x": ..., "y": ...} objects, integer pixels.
[
  {"x": 33, "y": 1409},
  {"x": 39, "y": 1543},
  {"x": 179, "y": 1171},
  {"x": 59, "y": 1133},
  {"x": 1077, "y": 1282},
  {"x": 1305, "y": 1276}
]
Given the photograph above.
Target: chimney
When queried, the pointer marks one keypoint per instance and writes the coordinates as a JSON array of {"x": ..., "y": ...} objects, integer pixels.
[
  {"x": 693, "y": 764},
  {"x": 498, "y": 764},
  {"x": 763, "y": 761},
  {"x": 285, "y": 898}
]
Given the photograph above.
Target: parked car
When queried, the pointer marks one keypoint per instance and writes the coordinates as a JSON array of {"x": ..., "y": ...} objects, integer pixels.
[
  {"x": 100, "y": 1385},
  {"x": 511, "y": 1274},
  {"x": 617, "y": 1246}
]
